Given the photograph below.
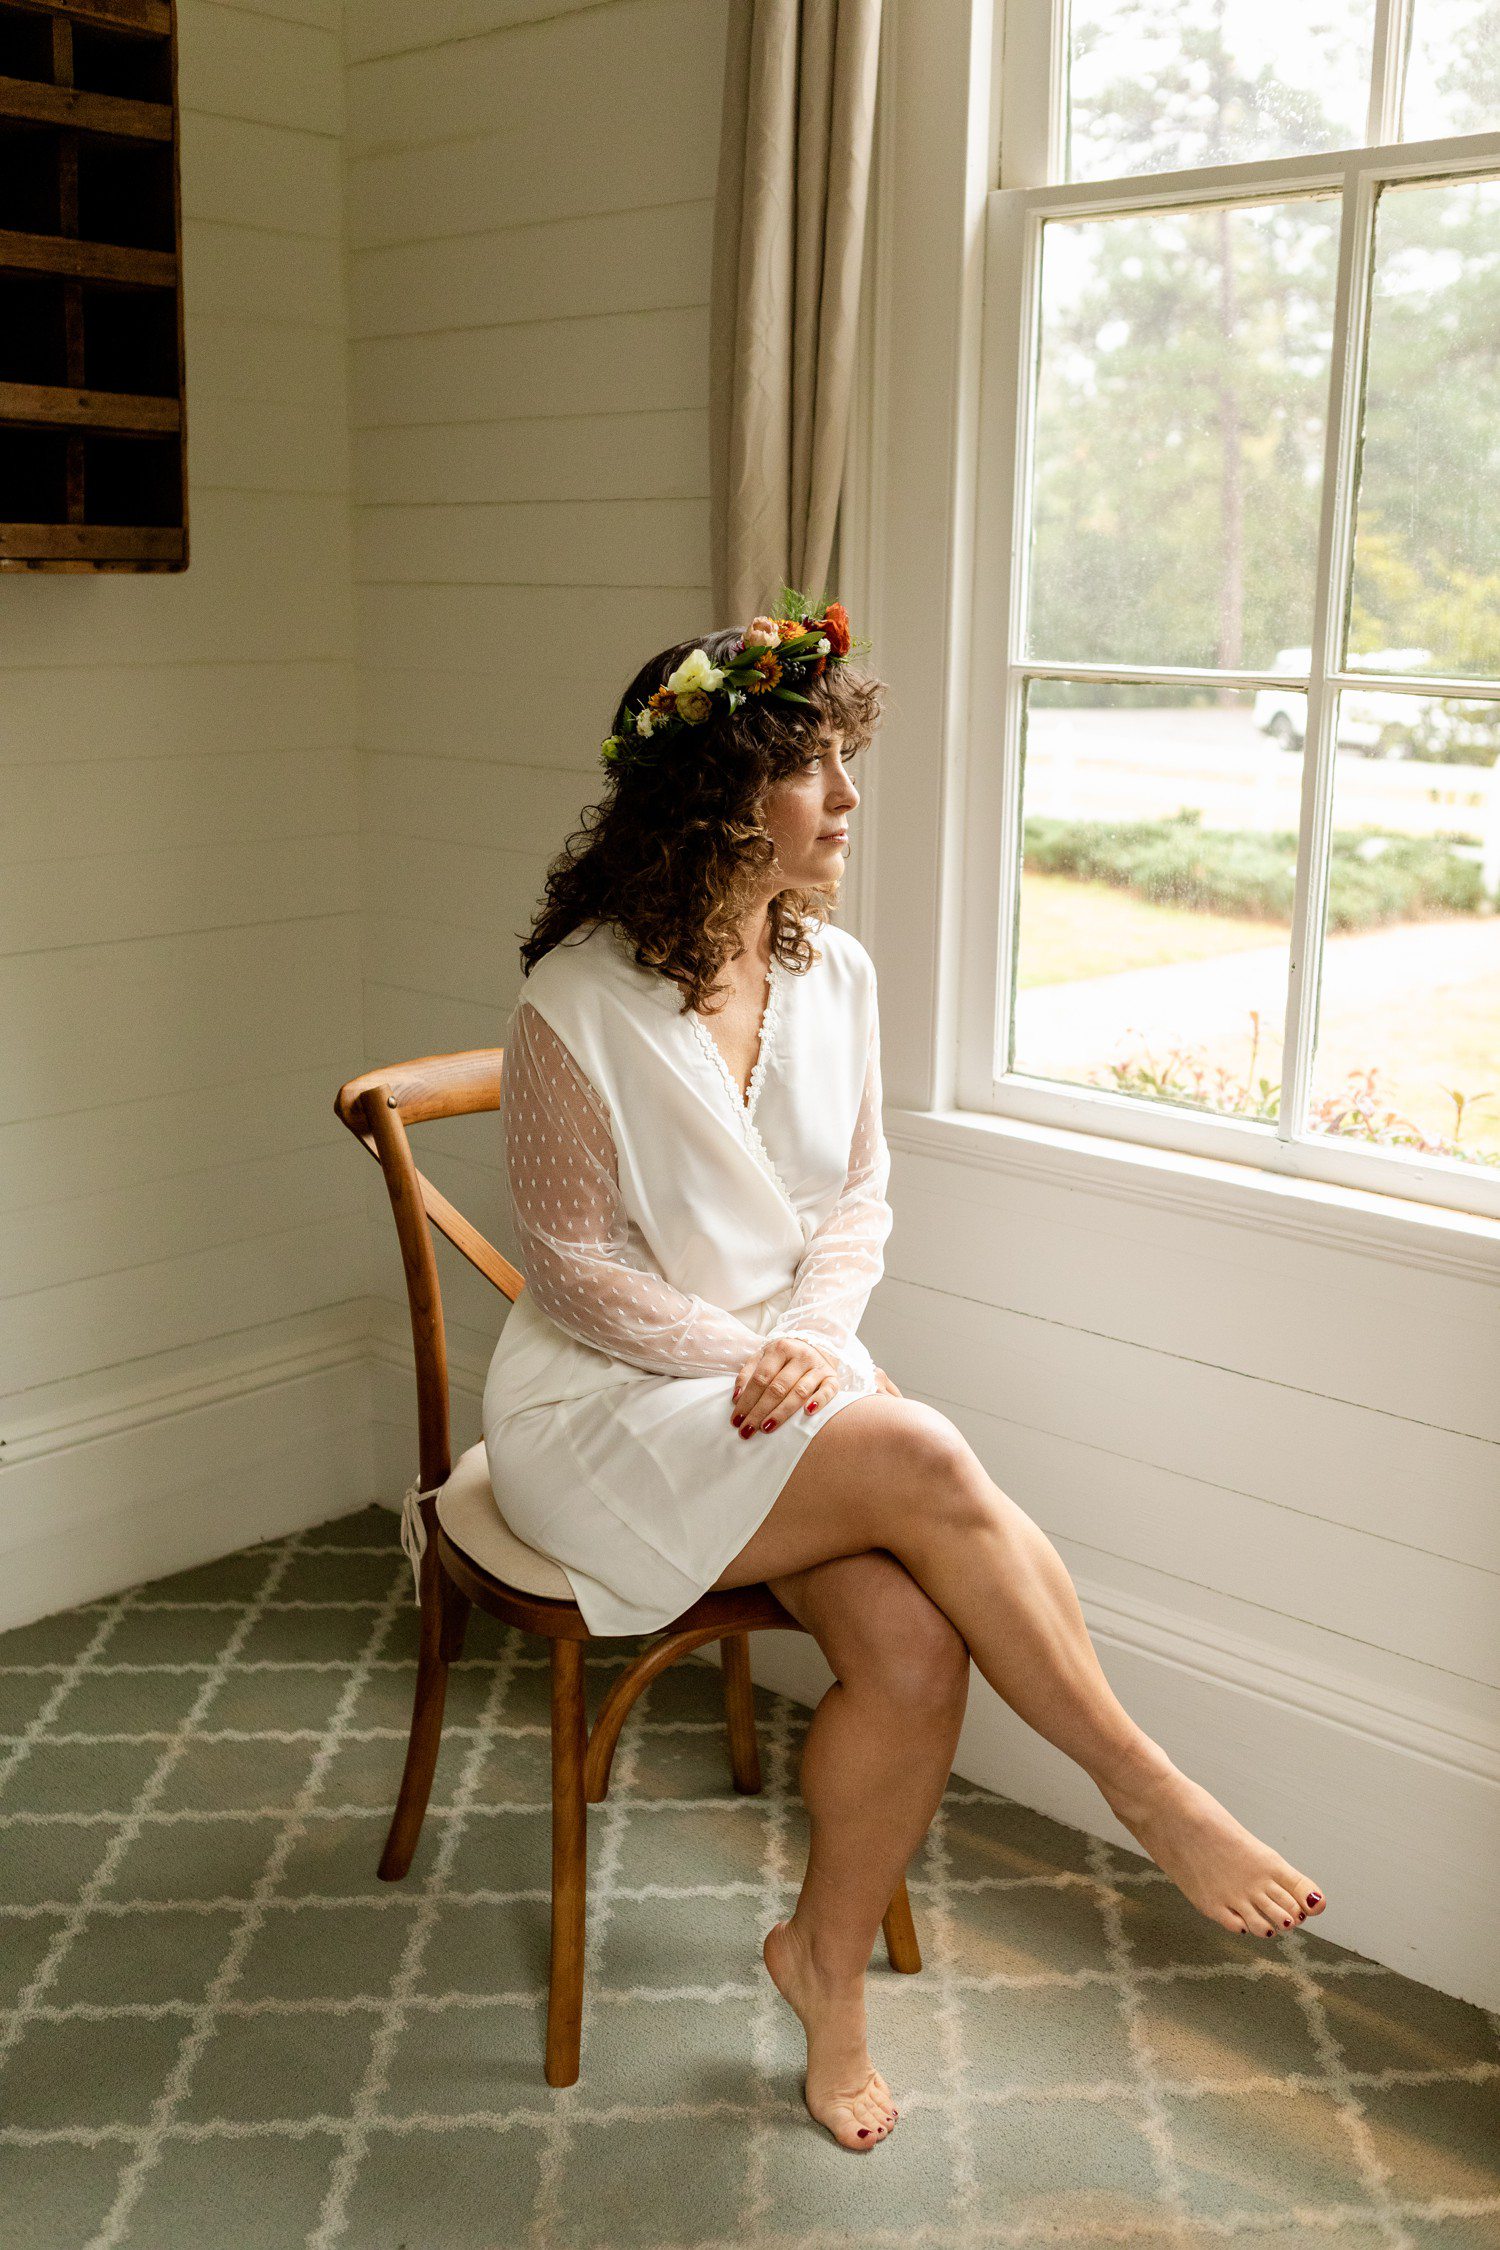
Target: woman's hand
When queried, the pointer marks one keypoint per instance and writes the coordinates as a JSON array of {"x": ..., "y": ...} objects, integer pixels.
[
  {"x": 783, "y": 1378},
  {"x": 884, "y": 1383}
]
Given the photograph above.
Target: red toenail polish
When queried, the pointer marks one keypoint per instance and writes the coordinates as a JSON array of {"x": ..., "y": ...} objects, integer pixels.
[
  {"x": 1285, "y": 1924},
  {"x": 1315, "y": 1898},
  {"x": 768, "y": 1425},
  {"x": 748, "y": 1430},
  {"x": 864, "y": 2132}
]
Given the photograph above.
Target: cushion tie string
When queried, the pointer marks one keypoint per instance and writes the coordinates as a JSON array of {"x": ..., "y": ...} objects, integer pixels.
[{"x": 414, "y": 1530}]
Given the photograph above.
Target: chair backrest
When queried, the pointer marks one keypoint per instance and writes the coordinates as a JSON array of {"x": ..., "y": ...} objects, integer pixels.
[{"x": 377, "y": 1107}]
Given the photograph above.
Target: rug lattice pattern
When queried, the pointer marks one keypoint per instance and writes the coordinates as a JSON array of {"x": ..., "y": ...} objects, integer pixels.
[{"x": 220, "y": 2028}]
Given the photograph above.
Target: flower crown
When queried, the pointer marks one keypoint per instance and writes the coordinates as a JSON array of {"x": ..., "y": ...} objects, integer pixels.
[{"x": 789, "y": 645}]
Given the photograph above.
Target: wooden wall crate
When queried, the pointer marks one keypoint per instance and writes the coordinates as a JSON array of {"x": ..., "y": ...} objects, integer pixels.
[{"x": 93, "y": 423}]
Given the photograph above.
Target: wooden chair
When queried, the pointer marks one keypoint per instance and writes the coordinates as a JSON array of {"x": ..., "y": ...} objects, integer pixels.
[{"x": 468, "y": 1555}]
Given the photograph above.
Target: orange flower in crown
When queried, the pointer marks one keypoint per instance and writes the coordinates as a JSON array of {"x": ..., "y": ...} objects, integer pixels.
[
  {"x": 836, "y": 629},
  {"x": 775, "y": 651}
]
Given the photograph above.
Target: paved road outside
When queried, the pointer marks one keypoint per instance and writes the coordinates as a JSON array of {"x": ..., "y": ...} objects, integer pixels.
[{"x": 1142, "y": 764}]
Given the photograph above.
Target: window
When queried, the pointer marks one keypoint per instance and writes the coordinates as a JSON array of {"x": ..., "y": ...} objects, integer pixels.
[{"x": 1234, "y": 831}]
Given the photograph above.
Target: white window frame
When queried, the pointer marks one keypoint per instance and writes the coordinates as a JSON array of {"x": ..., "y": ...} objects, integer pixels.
[{"x": 1008, "y": 63}]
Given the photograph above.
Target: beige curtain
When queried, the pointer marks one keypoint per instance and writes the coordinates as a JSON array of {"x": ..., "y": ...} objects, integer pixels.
[{"x": 794, "y": 173}]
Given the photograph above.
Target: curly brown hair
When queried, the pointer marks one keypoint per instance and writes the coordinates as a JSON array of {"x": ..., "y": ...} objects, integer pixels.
[{"x": 676, "y": 852}]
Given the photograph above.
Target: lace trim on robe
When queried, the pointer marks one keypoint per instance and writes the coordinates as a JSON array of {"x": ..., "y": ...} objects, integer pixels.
[
  {"x": 744, "y": 1106},
  {"x": 844, "y": 1258}
]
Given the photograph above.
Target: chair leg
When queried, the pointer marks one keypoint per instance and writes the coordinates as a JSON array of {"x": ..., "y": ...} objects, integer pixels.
[
  {"x": 739, "y": 1710},
  {"x": 457, "y": 1610},
  {"x": 569, "y": 1864},
  {"x": 901, "y": 1947},
  {"x": 438, "y": 1595}
]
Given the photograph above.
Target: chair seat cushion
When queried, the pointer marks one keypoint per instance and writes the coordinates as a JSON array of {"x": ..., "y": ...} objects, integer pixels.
[{"x": 470, "y": 1515}]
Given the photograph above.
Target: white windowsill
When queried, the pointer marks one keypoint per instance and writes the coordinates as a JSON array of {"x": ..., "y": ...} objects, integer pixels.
[{"x": 1343, "y": 1218}]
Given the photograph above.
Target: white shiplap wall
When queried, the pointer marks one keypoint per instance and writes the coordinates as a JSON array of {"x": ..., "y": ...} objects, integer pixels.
[
  {"x": 531, "y": 199},
  {"x": 184, "y": 1249}
]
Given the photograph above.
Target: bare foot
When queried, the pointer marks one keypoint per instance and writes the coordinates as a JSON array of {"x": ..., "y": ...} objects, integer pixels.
[
  {"x": 1229, "y": 1875},
  {"x": 842, "y": 2089}
]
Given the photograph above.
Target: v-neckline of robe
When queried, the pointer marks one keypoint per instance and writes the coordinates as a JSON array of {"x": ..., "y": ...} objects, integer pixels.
[{"x": 745, "y": 1104}]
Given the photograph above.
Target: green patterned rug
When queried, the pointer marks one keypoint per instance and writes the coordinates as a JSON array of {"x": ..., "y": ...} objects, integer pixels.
[{"x": 222, "y": 2032}]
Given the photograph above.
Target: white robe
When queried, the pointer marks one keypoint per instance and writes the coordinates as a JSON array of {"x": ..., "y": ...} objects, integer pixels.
[{"x": 666, "y": 1228}]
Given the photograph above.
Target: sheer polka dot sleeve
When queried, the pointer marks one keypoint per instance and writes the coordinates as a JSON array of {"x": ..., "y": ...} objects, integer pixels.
[
  {"x": 582, "y": 1258},
  {"x": 846, "y": 1257}
]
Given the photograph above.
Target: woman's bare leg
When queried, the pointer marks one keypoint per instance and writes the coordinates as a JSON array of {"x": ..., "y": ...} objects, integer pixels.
[
  {"x": 895, "y": 1473},
  {"x": 875, "y": 1762}
]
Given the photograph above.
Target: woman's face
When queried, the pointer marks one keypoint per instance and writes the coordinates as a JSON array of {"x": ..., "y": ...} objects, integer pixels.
[{"x": 806, "y": 815}]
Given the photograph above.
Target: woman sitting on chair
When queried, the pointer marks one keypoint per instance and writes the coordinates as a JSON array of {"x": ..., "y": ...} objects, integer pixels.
[{"x": 699, "y": 1198}]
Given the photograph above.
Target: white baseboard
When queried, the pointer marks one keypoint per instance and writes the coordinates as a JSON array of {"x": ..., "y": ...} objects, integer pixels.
[
  {"x": 165, "y": 1474},
  {"x": 1398, "y": 1822}
]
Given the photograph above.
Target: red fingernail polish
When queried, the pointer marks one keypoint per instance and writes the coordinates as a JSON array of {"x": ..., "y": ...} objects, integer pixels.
[
  {"x": 748, "y": 1430},
  {"x": 812, "y": 1406},
  {"x": 768, "y": 1425}
]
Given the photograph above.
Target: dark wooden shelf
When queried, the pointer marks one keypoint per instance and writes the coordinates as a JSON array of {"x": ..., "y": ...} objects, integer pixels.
[
  {"x": 93, "y": 420},
  {"x": 34, "y": 104},
  {"x": 73, "y": 543},
  {"x": 122, "y": 15},
  {"x": 86, "y": 261},
  {"x": 48, "y": 406}
]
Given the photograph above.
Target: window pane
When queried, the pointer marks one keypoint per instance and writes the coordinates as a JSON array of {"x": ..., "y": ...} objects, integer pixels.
[
  {"x": 1158, "y": 85},
  {"x": 1159, "y": 859},
  {"x": 1452, "y": 69},
  {"x": 1178, "y": 446},
  {"x": 1408, "y": 1049},
  {"x": 1427, "y": 531}
]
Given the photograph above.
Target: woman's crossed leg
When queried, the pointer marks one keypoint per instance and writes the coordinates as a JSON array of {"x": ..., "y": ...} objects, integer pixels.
[
  {"x": 875, "y": 1762},
  {"x": 895, "y": 1474}
]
